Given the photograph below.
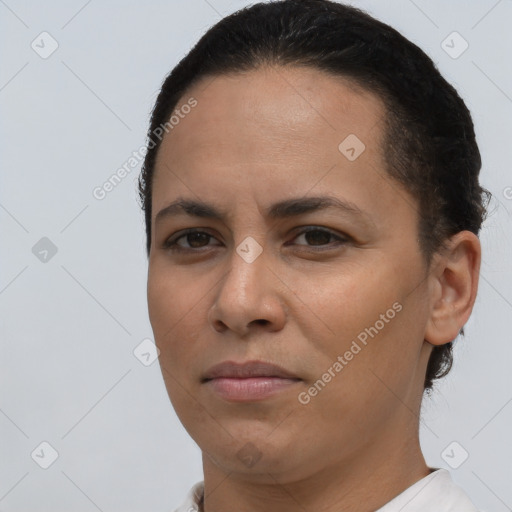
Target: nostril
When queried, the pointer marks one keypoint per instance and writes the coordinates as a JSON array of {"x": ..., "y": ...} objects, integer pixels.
[
  {"x": 261, "y": 321},
  {"x": 219, "y": 325}
]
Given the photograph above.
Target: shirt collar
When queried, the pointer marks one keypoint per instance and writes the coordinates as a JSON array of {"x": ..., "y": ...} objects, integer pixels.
[{"x": 433, "y": 493}]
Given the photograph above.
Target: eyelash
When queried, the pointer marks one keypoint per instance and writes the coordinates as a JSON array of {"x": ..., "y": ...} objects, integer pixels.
[{"x": 171, "y": 243}]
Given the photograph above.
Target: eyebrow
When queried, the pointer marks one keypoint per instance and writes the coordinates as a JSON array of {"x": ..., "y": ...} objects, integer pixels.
[{"x": 282, "y": 209}]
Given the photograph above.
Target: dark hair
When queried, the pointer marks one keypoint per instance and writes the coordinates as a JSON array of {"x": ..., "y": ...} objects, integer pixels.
[{"x": 429, "y": 140}]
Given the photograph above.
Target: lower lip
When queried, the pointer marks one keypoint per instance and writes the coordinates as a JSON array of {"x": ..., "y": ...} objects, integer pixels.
[{"x": 253, "y": 388}]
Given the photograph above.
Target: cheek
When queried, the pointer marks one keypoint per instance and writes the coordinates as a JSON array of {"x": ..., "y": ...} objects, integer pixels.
[
  {"x": 366, "y": 315},
  {"x": 160, "y": 302},
  {"x": 345, "y": 298},
  {"x": 174, "y": 304},
  {"x": 170, "y": 294}
]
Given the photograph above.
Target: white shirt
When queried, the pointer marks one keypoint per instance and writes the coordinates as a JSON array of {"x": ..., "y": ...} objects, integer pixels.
[{"x": 434, "y": 493}]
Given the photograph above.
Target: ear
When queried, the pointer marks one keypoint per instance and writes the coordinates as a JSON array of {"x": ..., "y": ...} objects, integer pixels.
[{"x": 453, "y": 287}]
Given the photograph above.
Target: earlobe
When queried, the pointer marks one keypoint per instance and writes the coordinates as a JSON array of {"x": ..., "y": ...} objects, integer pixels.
[{"x": 454, "y": 285}]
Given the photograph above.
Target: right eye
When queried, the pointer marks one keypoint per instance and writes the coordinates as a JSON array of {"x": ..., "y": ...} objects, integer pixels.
[{"x": 188, "y": 240}]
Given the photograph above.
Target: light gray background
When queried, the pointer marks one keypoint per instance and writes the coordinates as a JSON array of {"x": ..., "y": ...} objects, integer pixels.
[{"x": 69, "y": 325}]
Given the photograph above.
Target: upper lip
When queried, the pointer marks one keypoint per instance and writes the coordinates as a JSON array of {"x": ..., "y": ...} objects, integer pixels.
[{"x": 246, "y": 370}]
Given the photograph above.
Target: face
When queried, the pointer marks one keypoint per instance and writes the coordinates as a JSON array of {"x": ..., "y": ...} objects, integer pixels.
[{"x": 288, "y": 244}]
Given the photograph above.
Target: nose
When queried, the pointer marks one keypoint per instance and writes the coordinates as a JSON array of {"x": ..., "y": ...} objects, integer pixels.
[{"x": 248, "y": 298}]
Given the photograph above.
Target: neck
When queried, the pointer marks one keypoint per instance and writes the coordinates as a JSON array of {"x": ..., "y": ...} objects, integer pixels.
[{"x": 381, "y": 470}]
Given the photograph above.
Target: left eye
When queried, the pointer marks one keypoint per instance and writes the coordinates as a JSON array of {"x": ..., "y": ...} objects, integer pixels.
[{"x": 318, "y": 237}]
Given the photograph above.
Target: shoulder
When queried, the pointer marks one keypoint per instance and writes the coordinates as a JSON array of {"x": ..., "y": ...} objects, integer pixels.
[
  {"x": 434, "y": 493},
  {"x": 191, "y": 503}
]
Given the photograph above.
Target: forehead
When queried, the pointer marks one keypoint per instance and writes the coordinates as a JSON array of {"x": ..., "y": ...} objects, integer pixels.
[
  {"x": 274, "y": 133},
  {"x": 275, "y": 112}
]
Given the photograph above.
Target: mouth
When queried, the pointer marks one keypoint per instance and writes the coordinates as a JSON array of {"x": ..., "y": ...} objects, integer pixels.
[{"x": 249, "y": 381}]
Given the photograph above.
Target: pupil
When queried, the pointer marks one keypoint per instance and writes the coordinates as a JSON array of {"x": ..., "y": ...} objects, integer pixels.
[
  {"x": 317, "y": 237},
  {"x": 195, "y": 239}
]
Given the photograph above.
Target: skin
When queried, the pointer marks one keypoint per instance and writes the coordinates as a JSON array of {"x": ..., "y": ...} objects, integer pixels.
[{"x": 255, "y": 139}]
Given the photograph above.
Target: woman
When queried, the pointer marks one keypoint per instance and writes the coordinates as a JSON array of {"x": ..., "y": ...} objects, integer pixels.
[{"x": 312, "y": 209}]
